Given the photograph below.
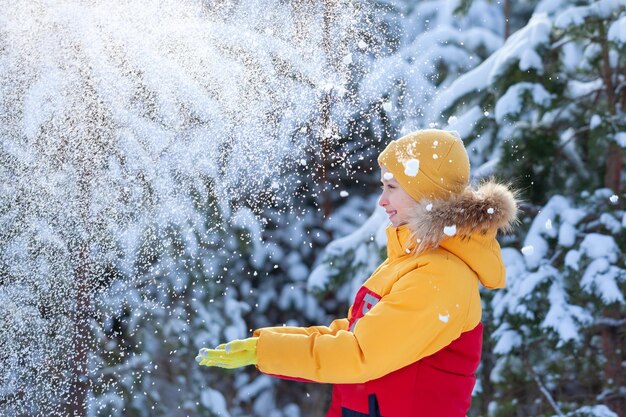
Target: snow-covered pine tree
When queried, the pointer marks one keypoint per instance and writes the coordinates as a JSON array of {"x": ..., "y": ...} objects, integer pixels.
[
  {"x": 558, "y": 338},
  {"x": 268, "y": 237},
  {"x": 554, "y": 90},
  {"x": 122, "y": 125},
  {"x": 424, "y": 46},
  {"x": 546, "y": 111},
  {"x": 420, "y": 48}
]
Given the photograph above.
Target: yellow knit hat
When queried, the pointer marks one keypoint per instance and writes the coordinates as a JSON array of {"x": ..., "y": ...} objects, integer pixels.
[{"x": 429, "y": 164}]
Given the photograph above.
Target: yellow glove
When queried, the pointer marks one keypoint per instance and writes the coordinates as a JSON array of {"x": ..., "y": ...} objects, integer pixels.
[{"x": 241, "y": 352}]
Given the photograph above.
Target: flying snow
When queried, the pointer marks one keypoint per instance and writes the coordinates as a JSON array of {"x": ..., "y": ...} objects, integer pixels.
[
  {"x": 142, "y": 127},
  {"x": 411, "y": 167},
  {"x": 450, "y": 230}
]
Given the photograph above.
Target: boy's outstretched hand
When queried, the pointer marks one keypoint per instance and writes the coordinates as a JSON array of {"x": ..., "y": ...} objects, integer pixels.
[{"x": 241, "y": 352}]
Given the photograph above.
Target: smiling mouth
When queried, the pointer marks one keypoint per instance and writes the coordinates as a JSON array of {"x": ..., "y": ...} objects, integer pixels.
[{"x": 391, "y": 213}]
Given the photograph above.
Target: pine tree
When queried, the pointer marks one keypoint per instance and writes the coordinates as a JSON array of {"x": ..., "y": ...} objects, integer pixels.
[
  {"x": 133, "y": 138},
  {"x": 546, "y": 112},
  {"x": 419, "y": 48}
]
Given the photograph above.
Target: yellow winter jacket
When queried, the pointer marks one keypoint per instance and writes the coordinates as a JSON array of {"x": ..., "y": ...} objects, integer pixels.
[
  {"x": 418, "y": 305},
  {"x": 412, "y": 340}
]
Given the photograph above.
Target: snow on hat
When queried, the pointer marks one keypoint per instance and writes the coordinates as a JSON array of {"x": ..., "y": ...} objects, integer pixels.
[{"x": 430, "y": 164}]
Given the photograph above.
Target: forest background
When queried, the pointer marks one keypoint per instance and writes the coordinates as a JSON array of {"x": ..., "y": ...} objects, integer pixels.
[{"x": 175, "y": 174}]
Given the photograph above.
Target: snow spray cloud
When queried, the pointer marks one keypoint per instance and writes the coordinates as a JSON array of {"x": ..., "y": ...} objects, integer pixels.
[{"x": 118, "y": 115}]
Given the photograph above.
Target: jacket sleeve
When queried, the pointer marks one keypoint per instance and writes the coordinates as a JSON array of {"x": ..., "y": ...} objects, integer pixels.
[
  {"x": 425, "y": 310},
  {"x": 333, "y": 328}
]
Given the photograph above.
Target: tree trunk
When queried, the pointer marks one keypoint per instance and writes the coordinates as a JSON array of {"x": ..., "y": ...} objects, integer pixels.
[
  {"x": 326, "y": 125},
  {"x": 624, "y": 89},
  {"x": 77, "y": 406},
  {"x": 614, "y": 167},
  {"x": 507, "y": 19},
  {"x": 326, "y": 138},
  {"x": 614, "y": 157},
  {"x": 83, "y": 280},
  {"x": 486, "y": 368},
  {"x": 613, "y": 369}
]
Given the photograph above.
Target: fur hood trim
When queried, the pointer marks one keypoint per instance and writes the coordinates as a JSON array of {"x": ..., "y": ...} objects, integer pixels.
[{"x": 488, "y": 208}]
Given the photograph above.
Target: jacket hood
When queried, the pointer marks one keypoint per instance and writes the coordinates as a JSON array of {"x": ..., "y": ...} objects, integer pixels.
[{"x": 466, "y": 225}]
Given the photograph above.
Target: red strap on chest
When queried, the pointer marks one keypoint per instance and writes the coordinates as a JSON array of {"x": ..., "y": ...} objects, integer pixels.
[{"x": 364, "y": 301}]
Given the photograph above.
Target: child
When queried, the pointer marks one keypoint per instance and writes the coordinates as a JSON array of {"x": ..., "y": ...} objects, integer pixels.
[{"x": 412, "y": 339}]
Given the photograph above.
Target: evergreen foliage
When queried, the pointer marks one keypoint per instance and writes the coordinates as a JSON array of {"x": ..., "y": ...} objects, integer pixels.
[{"x": 546, "y": 112}]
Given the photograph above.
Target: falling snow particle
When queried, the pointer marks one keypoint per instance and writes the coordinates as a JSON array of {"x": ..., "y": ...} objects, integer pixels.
[
  {"x": 388, "y": 176},
  {"x": 450, "y": 230},
  {"x": 490, "y": 210},
  {"x": 344, "y": 193},
  {"x": 387, "y": 106},
  {"x": 362, "y": 45},
  {"x": 435, "y": 156},
  {"x": 528, "y": 250},
  {"x": 429, "y": 207},
  {"x": 548, "y": 224},
  {"x": 303, "y": 162},
  {"x": 347, "y": 59},
  {"x": 613, "y": 199},
  {"x": 444, "y": 318},
  {"x": 412, "y": 167}
]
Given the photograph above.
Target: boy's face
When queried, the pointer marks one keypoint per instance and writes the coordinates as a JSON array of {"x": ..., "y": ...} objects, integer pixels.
[{"x": 396, "y": 202}]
